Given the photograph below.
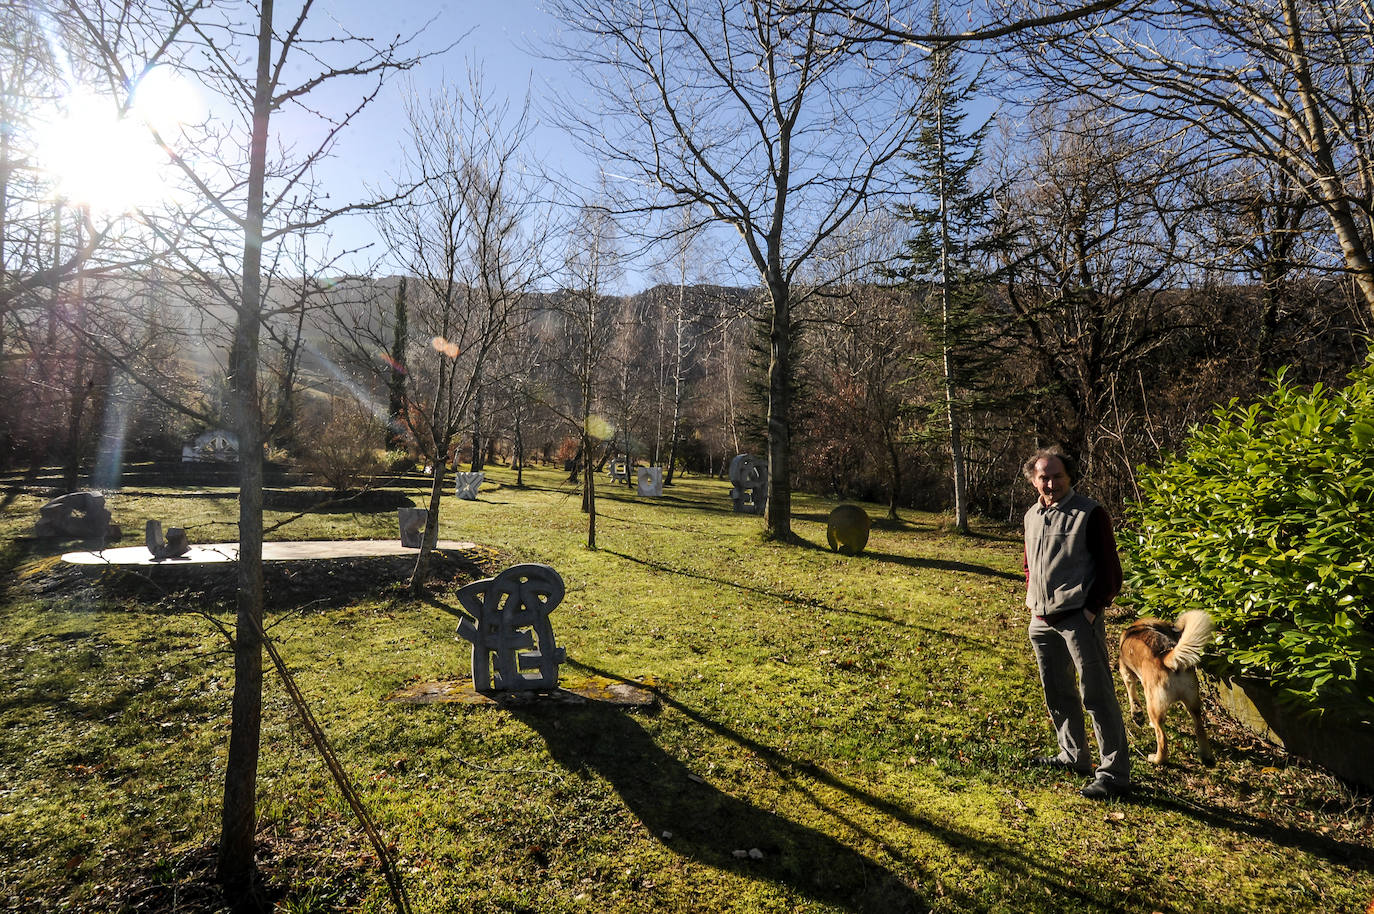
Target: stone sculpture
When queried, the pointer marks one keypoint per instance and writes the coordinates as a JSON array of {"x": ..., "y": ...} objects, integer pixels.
[
  {"x": 413, "y": 522},
  {"x": 847, "y": 529},
  {"x": 467, "y": 484},
  {"x": 508, "y": 624},
  {"x": 76, "y": 515},
  {"x": 749, "y": 475},
  {"x": 174, "y": 544},
  {"x": 650, "y": 481},
  {"x": 619, "y": 471}
]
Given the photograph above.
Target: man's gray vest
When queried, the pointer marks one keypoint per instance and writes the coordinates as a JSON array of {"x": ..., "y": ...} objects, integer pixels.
[{"x": 1061, "y": 567}]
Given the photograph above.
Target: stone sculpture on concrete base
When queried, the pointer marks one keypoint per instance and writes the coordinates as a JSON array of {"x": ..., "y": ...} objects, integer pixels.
[
  {"x": 413, "y": 522},
  {"x": 162, "y": 547},
  {"x": 847, "y": 529},
  {"x": 749, "y": 476},
  {"x": 650, "y": 481},
  {"x": 508, "y": 624},
  {"x": 467, "y": 484},
  {"x": 76, "y": 515}
]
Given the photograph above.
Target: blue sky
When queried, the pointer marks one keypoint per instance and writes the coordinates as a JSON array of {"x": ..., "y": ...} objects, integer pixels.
[{"x": 499, "y": 36}]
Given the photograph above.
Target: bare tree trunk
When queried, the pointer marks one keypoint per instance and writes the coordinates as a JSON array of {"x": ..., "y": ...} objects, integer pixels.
[
  {"x": 236, "y": 865},
  {"x": 779, "y": 510}
]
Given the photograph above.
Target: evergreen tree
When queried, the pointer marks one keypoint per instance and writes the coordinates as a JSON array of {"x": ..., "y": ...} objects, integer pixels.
[
  {"x": 396, "y": 382},
  {"x": 944, "y": 261}
]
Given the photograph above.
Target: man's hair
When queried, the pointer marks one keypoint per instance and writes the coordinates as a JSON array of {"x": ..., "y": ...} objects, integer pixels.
[{"x": 1054, "y": 450}]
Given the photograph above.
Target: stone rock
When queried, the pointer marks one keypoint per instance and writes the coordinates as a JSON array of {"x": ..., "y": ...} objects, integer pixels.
[
  {"x": 847, "y": 529},
  {"x": 467, "y": 484},
  {"x": 650, "y": 481},
  {"x": 412, "y": 522},
  {"x": 507, "y": 623},
  {"x": 749, "y": 476},
  {"x": 76, "y": 515}
]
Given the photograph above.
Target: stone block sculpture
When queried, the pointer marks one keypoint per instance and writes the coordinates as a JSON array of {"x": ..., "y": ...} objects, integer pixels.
[
  {"x": 467, "y": 484},
  {"x": 618, "y": 471},
  {"x": 413, "y": 522},
  {"x": 174, "y": 544},
  {"x": 749, "y": 476},
  {"x": 650, "y": 481},
  {"x": 508, "y": 624},
  {"x": 847, "y": 529},
  {"x": 76, "y": 515}
]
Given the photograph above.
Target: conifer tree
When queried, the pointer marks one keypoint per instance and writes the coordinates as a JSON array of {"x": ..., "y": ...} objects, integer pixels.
[{"x": 943, "y": 261}]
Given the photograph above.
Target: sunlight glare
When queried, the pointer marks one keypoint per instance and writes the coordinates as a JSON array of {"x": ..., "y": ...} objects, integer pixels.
[{"x": 109, "y": 162}]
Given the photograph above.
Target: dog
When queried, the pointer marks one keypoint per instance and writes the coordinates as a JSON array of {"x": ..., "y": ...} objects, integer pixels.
[{"x": 1163, "y": 657}]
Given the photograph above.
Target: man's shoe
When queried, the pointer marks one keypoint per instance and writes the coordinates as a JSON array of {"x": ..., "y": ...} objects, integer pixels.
[
  {"x": 1101, "y": 789},
  {"x": 1054, "y": 761}
]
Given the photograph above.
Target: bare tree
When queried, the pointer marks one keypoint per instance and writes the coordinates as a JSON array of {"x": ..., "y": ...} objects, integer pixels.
[
  {"x": 469, "y": 237},
  {"x": 1285, "y": 84},
  {"x": 765, "y": 117},
  {"x": 261, "y": 66}
]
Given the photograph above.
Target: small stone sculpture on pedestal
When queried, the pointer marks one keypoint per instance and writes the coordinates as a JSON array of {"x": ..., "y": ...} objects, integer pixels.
[
  {"x": 750, "y": 478},
  {"x": 467, "y": 484},
  {"x": 508, "y": 624},
  {"x": 162, "y": 547},
  {"x": 847, "y": 529},
  {"x": 650, "y": 481},
  {"x": 413, "y": 522}
]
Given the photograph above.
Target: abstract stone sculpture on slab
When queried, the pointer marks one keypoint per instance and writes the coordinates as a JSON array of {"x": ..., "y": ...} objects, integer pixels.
[
  {"x": 847, "y": 529},
  {"x": 214, "y": 446},
  {"x": 618, "y": 471},
  {"x": 508, "y": 625},
  {"x": 749, "y": 476},
  {"x": 171, "y": 546},
  {"x": 76, "y": 515},
  {"x": 650, "y": 481},
  {"x": 467, "y": 484},
  {"x": 413, "y": 522}
]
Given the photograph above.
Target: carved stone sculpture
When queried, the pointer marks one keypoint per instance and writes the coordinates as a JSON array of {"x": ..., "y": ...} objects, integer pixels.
[
  {"x": 618, "y": 471},
  {"x": 508, "y": 624},
  {"x": 749, "y": 475},
  {"x": 467, "y": 484},
  {"x": 650, "y": 481},
  {"x": 847, "y": 529},
  {"x": 412, "y": 521},
  {"x": 174, "y": 544},
  {"x": 76, "y": 515}
]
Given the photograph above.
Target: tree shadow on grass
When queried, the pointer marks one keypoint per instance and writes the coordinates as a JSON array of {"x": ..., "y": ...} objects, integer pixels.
[
  {"x": 699, "y": 821},
  {"x": 1346, "y": 853},
  {"x": 664, "y": 794},
  {"x": 913, "y": 561},
  {"x": 799, "y": 599}
]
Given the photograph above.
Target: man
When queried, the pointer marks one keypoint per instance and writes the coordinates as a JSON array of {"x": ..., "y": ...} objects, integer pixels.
[{"x": 1072, "y": 573}]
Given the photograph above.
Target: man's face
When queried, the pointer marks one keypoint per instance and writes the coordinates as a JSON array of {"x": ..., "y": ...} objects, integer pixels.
[{"x": 1050, "y": 479}]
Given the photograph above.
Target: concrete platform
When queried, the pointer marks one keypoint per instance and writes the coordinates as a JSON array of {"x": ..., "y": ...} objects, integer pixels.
[
  {"x": 574, "y": 691},
  {"x": 211, "y": 553}
]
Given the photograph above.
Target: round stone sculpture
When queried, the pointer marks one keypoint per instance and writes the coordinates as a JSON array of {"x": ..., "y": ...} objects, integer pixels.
[{"x": 847, "y": 529}]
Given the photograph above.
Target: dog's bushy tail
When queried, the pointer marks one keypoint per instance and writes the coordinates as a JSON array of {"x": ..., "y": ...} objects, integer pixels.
[{"x": 1194, "y": 631}]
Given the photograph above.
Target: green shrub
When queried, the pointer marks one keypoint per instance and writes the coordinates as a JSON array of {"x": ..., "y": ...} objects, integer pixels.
[{"x": 1267, "y": 522}]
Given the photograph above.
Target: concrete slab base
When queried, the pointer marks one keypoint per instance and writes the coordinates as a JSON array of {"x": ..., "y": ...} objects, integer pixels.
[{"x": 213, "y": 553}]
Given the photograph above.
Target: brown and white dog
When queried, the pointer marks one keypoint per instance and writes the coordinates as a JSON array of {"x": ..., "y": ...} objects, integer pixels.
[{"x": 1164, "y": 656}]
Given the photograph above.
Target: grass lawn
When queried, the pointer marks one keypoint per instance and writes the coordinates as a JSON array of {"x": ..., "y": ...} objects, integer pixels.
[{"x": 832, "y": 733}]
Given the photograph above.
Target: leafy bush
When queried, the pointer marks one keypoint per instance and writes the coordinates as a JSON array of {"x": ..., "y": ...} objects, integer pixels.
[{"x": 1267, "y": 522}]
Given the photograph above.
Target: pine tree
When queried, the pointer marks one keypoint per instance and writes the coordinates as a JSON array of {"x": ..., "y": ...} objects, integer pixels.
[
  {"x": 943, "y": 262},
  {"x": 396, "y": 382}
]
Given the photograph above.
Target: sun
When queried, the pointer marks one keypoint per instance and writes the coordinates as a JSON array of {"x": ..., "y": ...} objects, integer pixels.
[{"x": 109, "y": 160}]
